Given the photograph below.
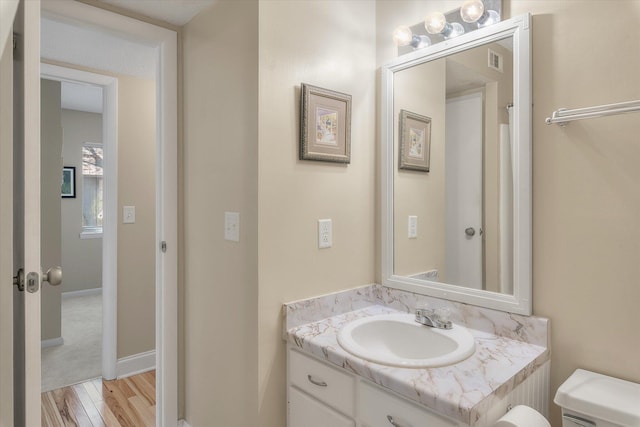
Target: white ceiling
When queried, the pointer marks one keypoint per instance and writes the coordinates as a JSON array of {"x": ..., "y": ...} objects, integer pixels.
[
  {"x": 176, "y": 12},
  {"x": 81, "y": 97}
]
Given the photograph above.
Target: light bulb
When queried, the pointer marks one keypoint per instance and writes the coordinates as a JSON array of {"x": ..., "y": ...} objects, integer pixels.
[
  {"x": 435, "y": 22},
  {"x": 402, "y": 36},
  {"x": 471, "y": 10},
  {"x": 420, "y": 41},
  {"x": 490, "y": 17},
  {"x": 453, "y": 29}
]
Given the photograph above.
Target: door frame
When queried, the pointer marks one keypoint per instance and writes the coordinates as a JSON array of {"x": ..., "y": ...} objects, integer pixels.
[
  {"x": 166, "y": 186},
  {"x": 110, "y": 226}
]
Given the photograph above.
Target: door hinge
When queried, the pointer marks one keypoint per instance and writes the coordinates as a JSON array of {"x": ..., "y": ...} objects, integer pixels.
[{"x": 163, "y": 246}]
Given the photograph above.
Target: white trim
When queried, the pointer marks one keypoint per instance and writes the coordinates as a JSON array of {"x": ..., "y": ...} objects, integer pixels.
[
  {"x": 183, "y": 423},
  {"x": 136, "y": 364},
  {"x": 82, "y": 293},
  {"x": 52, "y": 342},
  {"x": 110, "y": 225},
  {"x": 167, "y": 187}
]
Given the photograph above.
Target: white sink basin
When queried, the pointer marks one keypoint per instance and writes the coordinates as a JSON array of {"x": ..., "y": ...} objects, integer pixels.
[{"x": 398, "y": 340}]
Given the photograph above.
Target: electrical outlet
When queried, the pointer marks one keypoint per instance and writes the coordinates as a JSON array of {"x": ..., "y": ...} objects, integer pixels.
[
  {"x": 232, "y": 226},
  {"x": 325, "y": 236},
  {"x": 413, "y": 227}
]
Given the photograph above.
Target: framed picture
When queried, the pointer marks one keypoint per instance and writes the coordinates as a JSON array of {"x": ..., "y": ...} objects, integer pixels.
[
  {"x": 325, "y": 128},
  {"x": 68, "y": 182},
  {"x": 415, "y": 141}
]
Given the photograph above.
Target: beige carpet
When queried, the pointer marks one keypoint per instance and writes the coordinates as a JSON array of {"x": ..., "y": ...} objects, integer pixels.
[{"x": 80, "y": 357}]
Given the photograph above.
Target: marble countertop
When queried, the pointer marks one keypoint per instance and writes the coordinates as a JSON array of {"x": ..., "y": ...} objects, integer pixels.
[{"x": 463, "y": 391}]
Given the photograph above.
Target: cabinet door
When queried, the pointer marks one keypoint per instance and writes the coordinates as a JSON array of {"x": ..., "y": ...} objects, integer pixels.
[
  {"x": 305, "y": 411},
  {"x": 378, "y": 408}
]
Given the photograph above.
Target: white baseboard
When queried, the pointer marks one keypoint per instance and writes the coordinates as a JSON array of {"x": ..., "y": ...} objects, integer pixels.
[
  {"x": 51, "y": 342},
  {"x": 136, "y": 364},
  {"x": 183, "y": 423},
  {"x": 82, "y": 293}
]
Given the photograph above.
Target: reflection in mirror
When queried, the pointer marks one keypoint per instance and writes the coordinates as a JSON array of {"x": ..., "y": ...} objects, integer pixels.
[
  {"x": 464, "y": 203},
  {"x": 456, "y": 223}
]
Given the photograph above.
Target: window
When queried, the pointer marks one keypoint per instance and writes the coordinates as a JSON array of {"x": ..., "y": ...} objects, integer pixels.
[{"x": 92, "y": 188}]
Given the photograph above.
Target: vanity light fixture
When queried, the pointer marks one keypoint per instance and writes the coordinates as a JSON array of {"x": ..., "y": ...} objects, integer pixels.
[
  {"x": 473, "y": 11},
  {"x": 471, "y": 15},
  {"x": 436, "y": 23}
]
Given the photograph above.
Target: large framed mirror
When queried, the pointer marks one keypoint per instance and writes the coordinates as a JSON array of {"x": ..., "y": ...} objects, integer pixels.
[{"x": 456, "y": 169}]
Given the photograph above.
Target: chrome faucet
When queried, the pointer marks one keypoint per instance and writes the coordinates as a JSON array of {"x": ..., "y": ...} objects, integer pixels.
[{"x": 430, "y": 318}]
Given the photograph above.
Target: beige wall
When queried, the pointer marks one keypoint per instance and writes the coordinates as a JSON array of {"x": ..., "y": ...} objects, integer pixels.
[
  {"x": 418, "y": 193},
  {"x": 81, "y": 258},
  {"x": 50, "y": 204},
  {"x": 330, "y": 44},
  {"x": 220, "y": 69},
  {"x": 136, "y": 242},
  {"x": 585, "y": 197}
]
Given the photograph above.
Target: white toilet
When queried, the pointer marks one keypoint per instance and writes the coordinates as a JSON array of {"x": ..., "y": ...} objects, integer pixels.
[{"x": 587, "y": 399}]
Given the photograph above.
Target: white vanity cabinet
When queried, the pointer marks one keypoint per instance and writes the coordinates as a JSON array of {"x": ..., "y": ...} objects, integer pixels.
[{"x": 320, "y": 395}]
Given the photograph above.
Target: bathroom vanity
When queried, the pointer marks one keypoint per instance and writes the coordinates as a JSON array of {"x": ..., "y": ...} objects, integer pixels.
[{"x": 327, "y": 386}]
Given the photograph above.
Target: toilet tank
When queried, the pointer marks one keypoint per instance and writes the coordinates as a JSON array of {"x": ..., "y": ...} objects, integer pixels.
[{"x": 589, "y": 399}]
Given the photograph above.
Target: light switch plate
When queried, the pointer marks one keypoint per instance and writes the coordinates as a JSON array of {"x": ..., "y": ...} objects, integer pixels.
[
  {"x": 325, "y": 235},
  {"x": 413, "y": 227},
  {"x": 128, "y": 214},
  {"x": 232, "y": 226}
]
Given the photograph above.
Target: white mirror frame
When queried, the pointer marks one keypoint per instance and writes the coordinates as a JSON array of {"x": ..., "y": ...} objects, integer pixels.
[{"x": 520, "y": 301}]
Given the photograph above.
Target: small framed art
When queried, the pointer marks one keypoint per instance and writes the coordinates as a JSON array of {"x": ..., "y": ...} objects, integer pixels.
[
  {"x": 68, "y": 182},
  {"x": 325, "y": 125},
  {"x": 415, "y": 141}
]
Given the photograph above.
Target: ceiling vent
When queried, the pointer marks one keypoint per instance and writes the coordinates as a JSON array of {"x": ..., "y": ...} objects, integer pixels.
[{"x": 495, "y": 61}]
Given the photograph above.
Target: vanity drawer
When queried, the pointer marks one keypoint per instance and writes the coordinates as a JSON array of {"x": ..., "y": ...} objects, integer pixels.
[
  {"x": 377, "y": 408},
  {"x": 323, "y": 382},
  {"x": 305, "y": 411}
]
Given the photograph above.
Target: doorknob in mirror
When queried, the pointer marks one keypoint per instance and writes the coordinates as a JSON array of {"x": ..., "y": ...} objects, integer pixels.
[{"x": 53, "y": 276}]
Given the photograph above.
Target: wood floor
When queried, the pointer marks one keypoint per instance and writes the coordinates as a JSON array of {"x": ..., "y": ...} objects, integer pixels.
[{"x": 129, "y": 402}]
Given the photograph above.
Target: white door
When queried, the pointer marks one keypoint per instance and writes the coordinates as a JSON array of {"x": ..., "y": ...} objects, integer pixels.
[
  {"x": 463, "y": 176},
  {"x": 26, "y": 210}
]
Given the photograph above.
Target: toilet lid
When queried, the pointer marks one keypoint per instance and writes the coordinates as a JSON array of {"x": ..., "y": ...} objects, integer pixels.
[{"x": 601, "y": 396}]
